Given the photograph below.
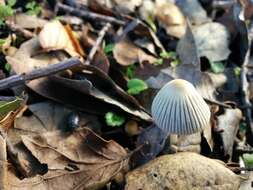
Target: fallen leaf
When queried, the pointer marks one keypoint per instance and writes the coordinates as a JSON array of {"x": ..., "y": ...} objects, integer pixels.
[
  {"x": 29, "y": 21},
  {"x": 55, "y": 36},
  {"x": 82, "y": 159},
  {"x": 171, "y": 18},
  {"x": 126, "y": 53},
  {"x": 174, "y": 171}
]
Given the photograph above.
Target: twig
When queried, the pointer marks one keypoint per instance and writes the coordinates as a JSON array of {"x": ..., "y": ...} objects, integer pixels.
[
  {"x": 97, "y": 43},
  {"x": 38, "y": 73},
  {"x": 90, "y": 15},
  {"x": 217, "y": 103},
  {"x": 127, "y": 29}
]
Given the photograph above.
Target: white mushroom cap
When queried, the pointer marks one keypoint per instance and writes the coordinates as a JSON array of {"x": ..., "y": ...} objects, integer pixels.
[{"x": 179, "y": 109}]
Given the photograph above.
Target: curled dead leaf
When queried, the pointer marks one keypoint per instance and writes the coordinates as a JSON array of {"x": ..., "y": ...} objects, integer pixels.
[
  {"x": 126, "y": 53},
  {"x": 55, "y": 36}
]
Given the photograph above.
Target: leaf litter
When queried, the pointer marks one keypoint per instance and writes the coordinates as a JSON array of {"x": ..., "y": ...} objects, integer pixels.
[{"x": 88, "y": 125}]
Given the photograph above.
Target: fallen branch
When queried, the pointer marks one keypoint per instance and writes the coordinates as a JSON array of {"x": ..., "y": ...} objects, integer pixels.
[
  {"x": 38, "y": 73},
  {"x": 99, "y": 40},
  {"x": 89, "y": 15}
]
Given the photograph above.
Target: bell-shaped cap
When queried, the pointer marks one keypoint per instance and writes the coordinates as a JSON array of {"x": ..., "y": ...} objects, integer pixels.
[{"x": 179, "y": 109}]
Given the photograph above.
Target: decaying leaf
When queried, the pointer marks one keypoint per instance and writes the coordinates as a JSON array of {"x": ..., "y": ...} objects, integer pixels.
[
  {"x": 55, "y": 36},
  {"x": 182, "y": 171},
  {"x": 80, "y": 160},
  {"x": 171, "y": 18},
  {"x": 126, "y": 53}
]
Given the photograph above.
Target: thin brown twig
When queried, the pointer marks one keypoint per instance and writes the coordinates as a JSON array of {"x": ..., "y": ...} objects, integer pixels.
[
  {"x": 20, "y": 79},
  {"x": 99, "y": 40},
  {"x": 89, "y": 14}
]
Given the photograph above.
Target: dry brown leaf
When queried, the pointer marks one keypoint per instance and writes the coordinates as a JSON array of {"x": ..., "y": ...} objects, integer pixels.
[
  {"x": 81, "y": 159},
  {"x": 182, "y": 171},
  {"x": 29, "y": 21},
  {"x": 54, "y": 36},
  {"x": 126, "y": 53},
  {"x": 171, "y": 18}
]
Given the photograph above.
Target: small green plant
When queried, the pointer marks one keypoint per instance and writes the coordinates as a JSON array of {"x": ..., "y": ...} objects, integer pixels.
[
  {"x": 130, "y": 71},
  {"x": 33, "y": 8},
  {"x": 114, "y": 120},
  {"x": 108, "y": 48},
  {"x": 136, "y": 86},
  {"x": 217, "y": 67},
  {"x": 6, "y": 10},
  {"x": 237, "y": 71},
  {"x": 248, "y": 160},
  {"x": 168, "y": 55}
]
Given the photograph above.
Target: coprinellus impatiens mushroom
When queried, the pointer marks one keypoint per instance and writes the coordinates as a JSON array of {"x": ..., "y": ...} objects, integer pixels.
[{"x": 179, "y": 109}]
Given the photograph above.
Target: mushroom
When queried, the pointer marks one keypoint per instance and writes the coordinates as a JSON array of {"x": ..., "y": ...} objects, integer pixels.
[{"x": 179, "y": 109}]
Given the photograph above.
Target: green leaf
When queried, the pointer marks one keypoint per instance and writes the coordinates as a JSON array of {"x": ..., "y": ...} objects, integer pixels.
[
  {"x": 130, "y": 71},
  {"x": 109, "y": 48},
  {"x": 168, "y": 55},
  {"x": 2, "y": 41},
  {"x": 112, "y": 119},
  {"x": 175, "y": 62},
  {"x": 7, "y": 106},
  {"x": 11, "y": 3},
  {"x": 7, "y": 67},
  {"x": 248, "y": 159},
  {"x": 33, "y": 8},
  {"x": 237, "y": 71},
  {"x": 159, "y": 61},
  {"x": 217, "y": 67},
  {"x": 136, "y": 86}
]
